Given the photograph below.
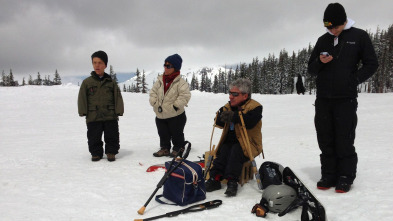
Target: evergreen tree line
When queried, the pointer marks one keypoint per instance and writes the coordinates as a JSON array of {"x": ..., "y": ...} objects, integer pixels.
[
  {"x": 276, "y": 75},
  {"x": 8, "y": 80},
  {"x": 140, "y": 85}
]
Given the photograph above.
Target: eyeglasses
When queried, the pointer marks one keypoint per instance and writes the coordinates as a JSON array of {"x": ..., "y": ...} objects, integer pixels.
[
  {"x": 235, "y": 94},
  {"x": 169, "y": 66}
]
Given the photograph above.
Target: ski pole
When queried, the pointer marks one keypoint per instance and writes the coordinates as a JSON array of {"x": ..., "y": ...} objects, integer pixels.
[
  {"x": 248, "y": 147},
  {"x": 212, "y": 150},
  {"x": 209, "y": 162},
  {"x": 195, "y": 208},
  {"x": 166, "y": 175}
]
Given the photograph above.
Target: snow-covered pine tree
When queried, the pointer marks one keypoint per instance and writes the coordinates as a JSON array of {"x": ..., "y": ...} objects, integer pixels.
[
  {"x": 113, "y": 74},
  {"x": 215, "y": 85},
  {"x": 143, "y": 83},
  {"x": 57, "y": 78},
  {"x": 138, "y": 86},
  {"x": 30, "y": 81},
  {"x": 283, "y": 72}
]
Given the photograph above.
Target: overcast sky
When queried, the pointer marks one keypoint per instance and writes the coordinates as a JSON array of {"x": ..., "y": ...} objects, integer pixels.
[{"x": 45, "y": 35}]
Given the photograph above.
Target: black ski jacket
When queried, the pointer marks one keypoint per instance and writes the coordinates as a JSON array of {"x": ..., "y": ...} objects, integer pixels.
[{"x": 339, "y": 78}]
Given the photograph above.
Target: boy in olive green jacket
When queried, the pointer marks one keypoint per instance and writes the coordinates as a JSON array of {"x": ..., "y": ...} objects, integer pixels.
[{"x": 100, "y": 101}]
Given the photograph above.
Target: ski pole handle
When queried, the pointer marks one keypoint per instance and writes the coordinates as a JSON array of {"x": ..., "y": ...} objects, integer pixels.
[
  {"x": 187, "y": 151},
  {"x": 207, "y": 167},
  {"x": 256, "y": 173}
]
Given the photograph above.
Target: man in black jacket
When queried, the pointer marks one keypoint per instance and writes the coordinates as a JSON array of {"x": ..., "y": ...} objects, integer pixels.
[{"x": 335, "y": 61}]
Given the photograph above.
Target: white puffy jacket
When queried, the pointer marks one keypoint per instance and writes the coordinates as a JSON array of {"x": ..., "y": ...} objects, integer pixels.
[{"x": 177, "y": 95}]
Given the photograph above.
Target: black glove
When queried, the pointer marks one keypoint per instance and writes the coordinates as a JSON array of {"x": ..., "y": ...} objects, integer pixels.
[
  {"x": 227, "y": 116},
  {"x": 221, "y": 110}
]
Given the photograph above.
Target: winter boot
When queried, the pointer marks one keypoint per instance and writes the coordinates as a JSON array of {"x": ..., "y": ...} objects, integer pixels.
[
  {"x": 111, "y": 157},
  {"x": 325, "y": 183},
  {"x": 231, "y": 188},
  {"x": 96, "y": 158},
  {"x": 212, "y": 185},
  {"x": 343, "y": 184},
  {"x": 161, "y": 153},
  {"x": 173, "y": 154}
]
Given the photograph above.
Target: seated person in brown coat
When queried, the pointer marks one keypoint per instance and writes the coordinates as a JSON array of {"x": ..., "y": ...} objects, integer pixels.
[{"x": 231, "y": 149}]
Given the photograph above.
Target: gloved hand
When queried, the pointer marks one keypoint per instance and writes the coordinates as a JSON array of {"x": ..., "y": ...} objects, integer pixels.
[
  {"x": 221, "y": 110},
  {"x": 227, "y": 116},
  {"x": 259, "y": 210}
]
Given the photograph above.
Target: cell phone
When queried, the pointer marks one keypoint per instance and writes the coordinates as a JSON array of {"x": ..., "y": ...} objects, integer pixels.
[{"x": 325, "y": 53}]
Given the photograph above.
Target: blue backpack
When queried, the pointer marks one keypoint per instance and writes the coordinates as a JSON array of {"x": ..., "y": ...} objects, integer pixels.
[{"x": 185, "y": 185}]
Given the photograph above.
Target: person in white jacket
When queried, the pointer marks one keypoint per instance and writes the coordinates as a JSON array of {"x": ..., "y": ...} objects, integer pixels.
[{"x": 169, "y": 96}]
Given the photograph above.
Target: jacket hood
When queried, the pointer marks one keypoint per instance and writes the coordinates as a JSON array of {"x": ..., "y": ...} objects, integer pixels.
[{"x": 349, "y": 25}]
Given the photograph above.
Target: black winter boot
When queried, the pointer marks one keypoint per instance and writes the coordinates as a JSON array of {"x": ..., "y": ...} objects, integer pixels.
[
  {"x": 325, "y": 183},
  {"x": 231, "y": 188},
  {"x": 343, "y": 184},
  {"x": 96, "y": 158},
  {"x": 212, "y": 185}
]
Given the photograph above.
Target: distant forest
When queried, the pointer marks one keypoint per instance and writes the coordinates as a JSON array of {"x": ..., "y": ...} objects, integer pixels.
[
  {"x": 8, "y": 80},
  {"x": 271, "y": 75},
  {"x": 276, "y": 75}
]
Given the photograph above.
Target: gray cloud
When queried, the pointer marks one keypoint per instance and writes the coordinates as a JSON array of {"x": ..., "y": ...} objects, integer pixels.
[{"x": 42, "y": 36}]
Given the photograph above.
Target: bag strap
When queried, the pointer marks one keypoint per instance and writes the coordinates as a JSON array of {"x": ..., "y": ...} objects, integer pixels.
[
  {"x": 196, "y": 208},
  {"x": 194, "y": 173},
  {"x": 162, "y": 202}
]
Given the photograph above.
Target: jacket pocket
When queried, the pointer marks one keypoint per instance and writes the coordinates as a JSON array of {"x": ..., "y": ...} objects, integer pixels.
[
  {"x": 111, "y": 110},
  {"x": 91, "y": 114},
  {"x": 92, "y": 90},
  {"x": 109, "y": 88}
]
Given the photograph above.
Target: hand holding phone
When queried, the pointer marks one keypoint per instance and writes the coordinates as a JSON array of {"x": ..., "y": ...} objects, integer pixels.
[
  {"x": 325, "y": 57},
  {"x": 325, "y": 53}
]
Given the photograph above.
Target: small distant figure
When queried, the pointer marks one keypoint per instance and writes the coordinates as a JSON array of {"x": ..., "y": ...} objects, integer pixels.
[{"x": 299, "y": 85}]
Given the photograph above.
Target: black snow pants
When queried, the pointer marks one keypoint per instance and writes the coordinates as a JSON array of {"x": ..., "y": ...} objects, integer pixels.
[
  {"x": 335, "y": 123},
  {"x": 229, "y": 161},
  {"x": 172, "y": 129},
  {"x": 111, "y": 137}
]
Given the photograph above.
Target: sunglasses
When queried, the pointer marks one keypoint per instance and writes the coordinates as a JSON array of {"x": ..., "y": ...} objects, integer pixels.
[
  {"x": 169, "y": 66},
  {"x": 235, "y": 94}
]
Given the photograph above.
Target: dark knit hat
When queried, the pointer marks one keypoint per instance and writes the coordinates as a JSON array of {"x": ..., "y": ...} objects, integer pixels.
[
  {"x": 175, "y": 60},
  {"x": 102, "y": 55},
  {"x": 334, "y": 15}
]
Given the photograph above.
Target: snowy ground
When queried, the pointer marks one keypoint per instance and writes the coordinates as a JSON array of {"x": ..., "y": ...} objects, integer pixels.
[{"x": 46, "y": 172}]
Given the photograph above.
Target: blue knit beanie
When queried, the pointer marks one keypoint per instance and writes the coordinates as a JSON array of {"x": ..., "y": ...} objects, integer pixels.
[{"x": 175, "y": 60}]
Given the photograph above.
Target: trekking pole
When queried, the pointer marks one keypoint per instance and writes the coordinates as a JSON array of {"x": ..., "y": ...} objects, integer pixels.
[
  {"x": 214, "y": 126},
  {"x": 248, "y": 147},
  {"x": 195, "y": 208},
  {"x": 211, "y": 156},
  {"x": 167, "y": 173}
]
